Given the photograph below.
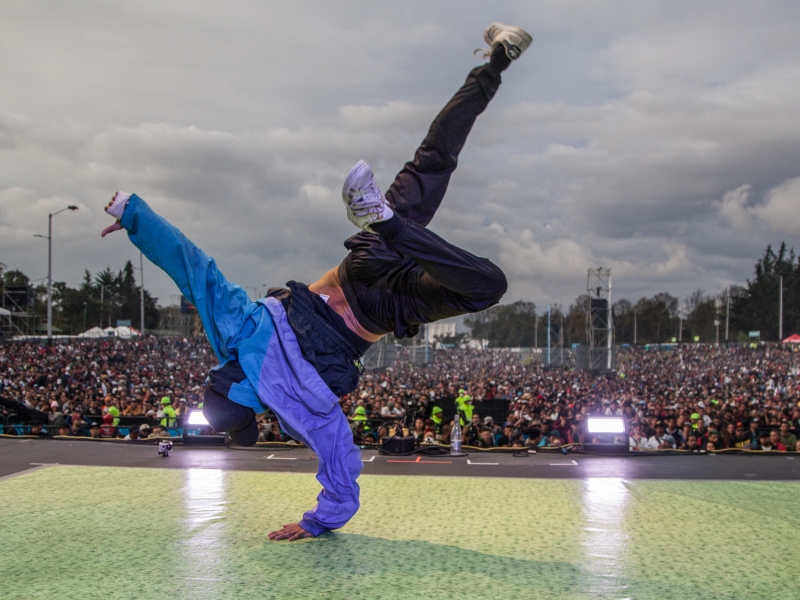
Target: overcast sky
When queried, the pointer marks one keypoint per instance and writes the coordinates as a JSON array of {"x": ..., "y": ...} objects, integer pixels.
[{"x": 660, "y": 139}]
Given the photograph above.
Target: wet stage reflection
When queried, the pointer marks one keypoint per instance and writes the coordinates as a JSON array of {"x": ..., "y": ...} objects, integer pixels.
[
  {"x": 605, "y": 541},
  {"x": 205, "y": 520}
]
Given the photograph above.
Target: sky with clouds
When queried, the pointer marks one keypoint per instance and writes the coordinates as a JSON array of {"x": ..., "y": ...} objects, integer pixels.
[{"x": 658, "y": 138}]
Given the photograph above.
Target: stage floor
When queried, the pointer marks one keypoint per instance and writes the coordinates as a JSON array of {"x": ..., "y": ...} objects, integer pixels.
[{"x": 122, "y": 532}]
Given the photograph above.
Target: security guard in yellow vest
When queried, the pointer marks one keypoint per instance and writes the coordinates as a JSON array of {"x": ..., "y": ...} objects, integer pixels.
[
  {"x": 170, "y": 416},
  {"x": 464, "y": 407},
  {"x": 436, "y": 417},
  {"x": 360, "y": 425}
]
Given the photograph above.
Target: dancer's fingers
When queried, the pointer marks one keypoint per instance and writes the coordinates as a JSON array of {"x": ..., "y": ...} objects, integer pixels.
[{"x": 116, "y": 226}]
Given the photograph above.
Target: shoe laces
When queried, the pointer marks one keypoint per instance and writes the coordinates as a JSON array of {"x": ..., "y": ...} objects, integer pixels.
[
  {"x": 371, "y": 198},
  {"x": 482, "y": 53}
]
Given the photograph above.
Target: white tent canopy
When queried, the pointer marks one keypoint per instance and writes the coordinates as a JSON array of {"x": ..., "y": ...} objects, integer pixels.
[
  {"x": 120, "y": 332},
  {"x": 94, "y": 332}
]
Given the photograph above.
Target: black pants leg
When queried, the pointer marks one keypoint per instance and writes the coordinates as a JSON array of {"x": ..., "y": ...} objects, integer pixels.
[
  {"x": 407, "y": 274},
  {"x": 418, "y": 189}
]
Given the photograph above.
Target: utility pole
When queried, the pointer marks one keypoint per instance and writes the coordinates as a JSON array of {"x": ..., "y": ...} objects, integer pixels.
[
  {"x": 102, "y": 291},
  {"x": 141, "y": 293},
  {"x": 634, "y": 326},
  {"x": 49, "y": 239},
  {"x": 780, "y": 310},
  {"x": 610, "y": 358},
  {"x": 548, "y": 334},
  {"x": 728, "y": 314},
  {"x": 717, "y": 303},
  {"x": 536, "y": 332}
]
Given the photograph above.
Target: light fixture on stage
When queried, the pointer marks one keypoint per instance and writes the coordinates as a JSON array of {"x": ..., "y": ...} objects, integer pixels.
[
  {"x": 606, "y": 435},
  {"x": 196, "y": 430},
  {"x": 605, "y": 425}
]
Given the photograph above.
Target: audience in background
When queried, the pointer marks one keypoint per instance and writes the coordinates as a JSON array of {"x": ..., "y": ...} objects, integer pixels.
[{"x": 692, "y": 397}]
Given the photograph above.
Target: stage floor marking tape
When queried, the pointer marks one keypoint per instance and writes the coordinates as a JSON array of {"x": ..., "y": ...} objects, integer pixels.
[{"x": 427, "y": 462}]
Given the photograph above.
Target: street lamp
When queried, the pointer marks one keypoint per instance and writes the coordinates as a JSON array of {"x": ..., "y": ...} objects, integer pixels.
[
  {"x": 258, "y": 287},
  {"x": 49, "y": 238},
  {"x": 780, "y": 309}
]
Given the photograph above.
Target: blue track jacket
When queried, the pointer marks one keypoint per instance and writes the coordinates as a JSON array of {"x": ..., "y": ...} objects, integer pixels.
[{"x": 258, "y": 335}]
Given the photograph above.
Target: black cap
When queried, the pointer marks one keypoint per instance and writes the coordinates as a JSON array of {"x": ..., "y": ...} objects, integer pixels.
[{"x": 238, "y": 421}]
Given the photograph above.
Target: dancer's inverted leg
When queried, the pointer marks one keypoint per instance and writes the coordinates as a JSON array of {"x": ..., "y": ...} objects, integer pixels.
[
  {"x": 452, "y": 281},
  {"x": 420, "y": 186}
]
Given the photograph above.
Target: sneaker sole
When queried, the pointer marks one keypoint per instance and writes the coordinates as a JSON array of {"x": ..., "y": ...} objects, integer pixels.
[{"x": 514, "y": 51}]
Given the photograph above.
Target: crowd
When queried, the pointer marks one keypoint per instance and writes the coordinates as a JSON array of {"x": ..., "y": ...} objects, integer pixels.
[
  {"x": 86, "y": 388},
  {"x": 684, "y": 398}
]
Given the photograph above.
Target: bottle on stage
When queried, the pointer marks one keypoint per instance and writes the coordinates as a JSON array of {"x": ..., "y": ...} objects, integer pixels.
[{"x": 456, "y": 437}]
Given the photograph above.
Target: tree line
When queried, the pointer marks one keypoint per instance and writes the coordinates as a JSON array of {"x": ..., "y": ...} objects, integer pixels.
[
  {"x": 100, "y": 300},
  {"x": 663, "y": 317}
]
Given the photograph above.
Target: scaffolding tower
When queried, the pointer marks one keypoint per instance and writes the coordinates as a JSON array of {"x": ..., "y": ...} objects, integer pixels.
[
  {"x": 599, "y": 356},
  {"x": 21, "y": 321}
]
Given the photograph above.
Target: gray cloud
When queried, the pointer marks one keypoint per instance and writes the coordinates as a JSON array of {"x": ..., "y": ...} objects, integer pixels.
[{"x": 658, "y": 138}]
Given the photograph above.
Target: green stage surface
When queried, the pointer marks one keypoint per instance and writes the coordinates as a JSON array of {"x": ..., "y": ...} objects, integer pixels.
[{"x": 97, "y": 532}]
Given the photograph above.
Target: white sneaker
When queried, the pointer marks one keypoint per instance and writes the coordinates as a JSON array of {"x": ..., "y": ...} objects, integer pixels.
[
  {"x": 118, "y": 204},
  {"x": 363, "y": 198},
  {"x": 515, "y": 40}
]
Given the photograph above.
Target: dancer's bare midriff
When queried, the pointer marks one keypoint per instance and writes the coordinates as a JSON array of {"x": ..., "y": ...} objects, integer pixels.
[{"x": 328, "y": 285}]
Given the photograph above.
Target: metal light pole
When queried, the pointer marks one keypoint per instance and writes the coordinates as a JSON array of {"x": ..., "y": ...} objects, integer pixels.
[
  {"x": 49, "y": 239},
  {"x": 780, "y": 310},
  {"x": 728, "y": 314},
  {"x": 256, "y": 295},
  {"x": 141, "y": 293},
  {"x": 548, "y": 334},
  {"x": 610, "y": 358}
]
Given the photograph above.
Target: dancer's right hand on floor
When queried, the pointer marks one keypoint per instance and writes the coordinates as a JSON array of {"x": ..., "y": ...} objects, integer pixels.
[{"x": 291, "y": 532}]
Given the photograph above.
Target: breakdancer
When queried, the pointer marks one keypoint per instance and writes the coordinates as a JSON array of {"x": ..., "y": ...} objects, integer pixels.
[{"x": 297, "y": 350}]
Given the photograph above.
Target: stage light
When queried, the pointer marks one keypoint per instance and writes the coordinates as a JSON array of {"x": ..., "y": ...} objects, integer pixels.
[
  {"x": 605, "y": 425},
  {"x": 196, "y": 417},
  {"x": 196, "y": 430},
  {"x": 606, "y": 435}
]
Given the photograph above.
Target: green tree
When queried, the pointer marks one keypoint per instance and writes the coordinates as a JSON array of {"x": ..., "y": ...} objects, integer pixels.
[
  {"x": 623, "y": 321},
  {"x": 505, "y": 325},
  {"x": 575, "y": 322},
  {"x": 656, "y": 318},
  {"x": 756, "y": 309}
]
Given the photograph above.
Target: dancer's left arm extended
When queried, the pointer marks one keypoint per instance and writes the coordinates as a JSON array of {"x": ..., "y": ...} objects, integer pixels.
[{"x": 223, "y": 306}]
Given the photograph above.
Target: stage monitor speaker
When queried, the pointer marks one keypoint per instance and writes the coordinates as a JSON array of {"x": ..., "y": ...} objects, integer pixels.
[
  {"x": 197, "y": 431},
  {"x": 606, "y": 435}
]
